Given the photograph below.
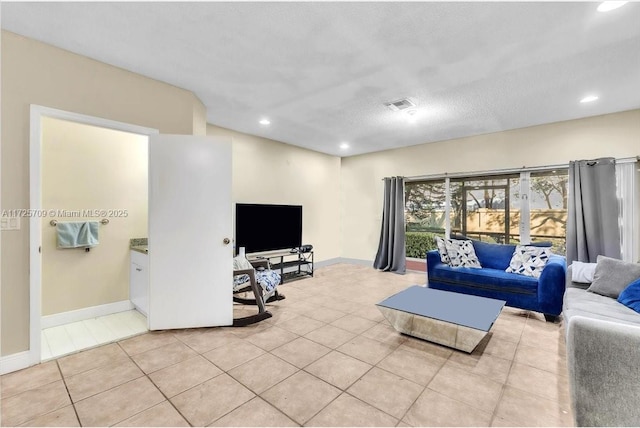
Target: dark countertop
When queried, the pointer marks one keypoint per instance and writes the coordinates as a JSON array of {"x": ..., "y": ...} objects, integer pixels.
[
  {"x": 140, "y": 248},
  {"x": 140, "y": 245}
]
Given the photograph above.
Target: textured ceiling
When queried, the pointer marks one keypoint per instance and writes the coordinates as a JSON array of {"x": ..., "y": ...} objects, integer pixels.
[{"x": 322, "y": 71}]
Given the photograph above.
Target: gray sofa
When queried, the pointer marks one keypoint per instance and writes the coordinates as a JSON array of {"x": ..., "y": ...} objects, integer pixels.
[{"x": 603, "y": 357}]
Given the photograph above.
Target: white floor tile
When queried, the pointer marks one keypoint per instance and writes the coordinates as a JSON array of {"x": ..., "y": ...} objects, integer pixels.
[
  {"x": 45, "y": 351},
  {"x": 80, "y": 335},
  {"x": 139, "y": 316},
  {"x": 135, "y": 320},
  {"x": 59, "y": 341},
  {"x": 118, "y": 325},
  {"x": 126, "y": 316},
  {"x": 73, "y": 337},
  {"x": 100, "y": 332}
]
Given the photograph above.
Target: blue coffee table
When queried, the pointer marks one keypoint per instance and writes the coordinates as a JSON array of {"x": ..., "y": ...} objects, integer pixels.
[{"x": 456, "y": 320}]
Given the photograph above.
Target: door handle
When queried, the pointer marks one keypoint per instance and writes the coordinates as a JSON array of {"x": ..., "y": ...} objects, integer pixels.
[
  {"x": 226, "y": 241},
  {"x": 139, "y": 269}
]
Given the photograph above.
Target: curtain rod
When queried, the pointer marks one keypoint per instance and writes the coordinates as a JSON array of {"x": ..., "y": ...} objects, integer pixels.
[
  {"x": 628, "y": 160},
  {"x": 503, "y": 171}
]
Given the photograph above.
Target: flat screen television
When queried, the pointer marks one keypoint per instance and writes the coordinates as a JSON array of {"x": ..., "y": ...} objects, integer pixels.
[{"x": 261, "y": 227}]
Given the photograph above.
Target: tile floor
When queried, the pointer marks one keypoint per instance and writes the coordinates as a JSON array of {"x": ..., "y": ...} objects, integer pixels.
[
  {"x": 73, "y": 337},
  {"x": 326, "y": 358}
]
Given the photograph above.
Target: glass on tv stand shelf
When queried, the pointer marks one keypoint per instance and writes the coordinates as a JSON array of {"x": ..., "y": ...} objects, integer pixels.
[{"x": 292, "y": 266}]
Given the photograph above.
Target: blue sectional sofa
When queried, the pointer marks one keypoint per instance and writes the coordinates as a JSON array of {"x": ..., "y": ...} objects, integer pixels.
[{"x": 541, "y": 295}]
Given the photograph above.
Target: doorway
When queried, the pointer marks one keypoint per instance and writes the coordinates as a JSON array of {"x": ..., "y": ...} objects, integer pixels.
[
  {"x": 99, "y": 175},
  {"x": 79, "y": 298},
  {"x": 189, "y": 227}
]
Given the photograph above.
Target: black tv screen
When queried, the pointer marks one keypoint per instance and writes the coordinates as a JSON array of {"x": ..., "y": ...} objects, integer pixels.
[{"x": 261, "y": 227}]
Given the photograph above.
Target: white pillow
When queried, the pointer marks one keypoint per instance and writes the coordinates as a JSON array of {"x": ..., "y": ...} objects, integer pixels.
[
  {"x": 442, "y": 249},
  {"x": 240, "y": 262},
  {"x": 529, "y": 260},
  {"x": 462, "y": 254},
  {"x": 583, "y": 272}
]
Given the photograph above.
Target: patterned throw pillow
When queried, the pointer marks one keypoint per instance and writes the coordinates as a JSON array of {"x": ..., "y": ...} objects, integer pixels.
[
  {"x": 442, "y": 249},
  {"x": 528, "y": 260},
  {"x": 462, "y": 254},
  {"x": 268, "y": 279},
  {"x": 241, "y": 263}
]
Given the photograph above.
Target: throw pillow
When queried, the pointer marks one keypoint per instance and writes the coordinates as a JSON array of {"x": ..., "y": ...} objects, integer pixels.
[
  {"x": 583, "y": 272},
  {"x": 462, "y": 254},
  {"x": 529, "y": 261},
  {"x": 240, "y": 262},
  {"x": 268, "y": 279},
  {"x": 630, "y": 296},
  {"x": 442, "y": 249},
  {"x": 493, "y": 256},
  {"x": 612, "y": 276}
]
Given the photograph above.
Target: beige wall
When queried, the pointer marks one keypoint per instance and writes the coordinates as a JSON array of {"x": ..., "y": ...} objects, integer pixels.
[
  {"x": 199, "y": 118},
  {"x": 270, "y": 172},
  {"x": 616, "y": 135},
  {"x": 37, "y": 73},
  {"x": 341, "y": 198},
  {"x": 86, "y": 167}
]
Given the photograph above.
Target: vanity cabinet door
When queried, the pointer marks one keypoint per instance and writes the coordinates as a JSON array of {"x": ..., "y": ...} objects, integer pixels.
[{"x": 139, "y": 283}]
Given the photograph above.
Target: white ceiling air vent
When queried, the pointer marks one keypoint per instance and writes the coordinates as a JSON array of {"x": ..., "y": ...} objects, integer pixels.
[{"x": 400, "y": 105}]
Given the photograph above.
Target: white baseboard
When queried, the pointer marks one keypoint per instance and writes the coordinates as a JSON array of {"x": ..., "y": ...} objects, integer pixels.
[
  {"x": 327, "y": 262},
  {"x": 85, "y": 313},
  {"x": 369, "y": 263},
  {"x": 14, "y": 362},
  {"x": 338, "y": 260},
  {"x": 356, "y": 261},
  {"x": 360, "y": 262}
]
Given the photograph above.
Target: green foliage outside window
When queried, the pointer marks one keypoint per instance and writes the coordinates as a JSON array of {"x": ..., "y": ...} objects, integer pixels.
[
  {"x": 418, "y": 243},
  {"x": 487, "y": 209}
]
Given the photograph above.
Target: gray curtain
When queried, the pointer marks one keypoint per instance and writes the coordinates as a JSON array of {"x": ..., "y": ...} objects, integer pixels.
[
  {"x": 592, "y": 223},
  {"x": 391, "y": 250}
]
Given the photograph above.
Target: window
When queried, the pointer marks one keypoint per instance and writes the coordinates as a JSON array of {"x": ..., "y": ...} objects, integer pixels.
[
  {"x": 628, "y": 191},
  {"x": 424, "y": 215},
  {"x": 483, "y": 209},
  {"x": 548, "y": 208},
  {"x": 513, "y": 208}
]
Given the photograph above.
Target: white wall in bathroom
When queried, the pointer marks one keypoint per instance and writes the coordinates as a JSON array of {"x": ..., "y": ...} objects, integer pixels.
[{"x": 86, "y": 167}]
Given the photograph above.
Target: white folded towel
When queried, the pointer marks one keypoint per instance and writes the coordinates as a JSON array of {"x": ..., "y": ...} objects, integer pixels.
[{"x": 583, "y": 272}]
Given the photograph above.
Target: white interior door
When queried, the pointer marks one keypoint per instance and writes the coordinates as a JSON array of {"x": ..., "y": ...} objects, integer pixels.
[{"x": 190, "y": 259}]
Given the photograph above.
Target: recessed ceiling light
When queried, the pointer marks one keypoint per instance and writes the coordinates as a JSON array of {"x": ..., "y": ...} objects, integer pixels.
[
  {"x": 589, "y": 99},
  {"x": 265, "y": 122},
  {"x": 413, "y": 116},
  {"x": 344, "y": 146},
  {"x": 606, "y": 6}
]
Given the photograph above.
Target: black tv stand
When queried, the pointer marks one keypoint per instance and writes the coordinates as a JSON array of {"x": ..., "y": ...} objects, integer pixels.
[{"x": 292, "y": 266}]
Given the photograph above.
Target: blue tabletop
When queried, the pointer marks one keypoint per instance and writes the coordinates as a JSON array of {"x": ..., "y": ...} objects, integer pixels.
[{"x": 461, "y": 309}]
